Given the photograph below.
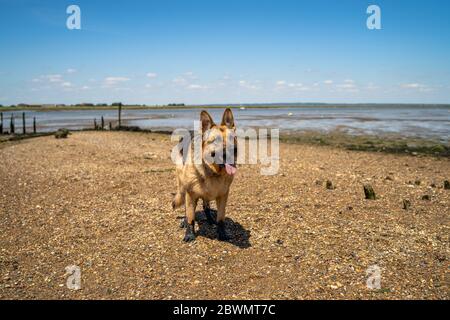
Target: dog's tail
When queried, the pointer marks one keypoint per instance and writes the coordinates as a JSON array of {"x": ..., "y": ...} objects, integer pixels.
[{"x": 178, "y": 200}]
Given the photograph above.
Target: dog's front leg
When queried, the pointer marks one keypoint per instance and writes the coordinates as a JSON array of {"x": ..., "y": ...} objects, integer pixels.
[
  {"x": 191, "y": 204},
  {"x": 221, "y": 204}
]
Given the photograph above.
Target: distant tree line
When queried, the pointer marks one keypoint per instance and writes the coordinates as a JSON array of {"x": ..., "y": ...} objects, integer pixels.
[
  {"x": 176, "y": 105},
  {"x": 84, "y": 104}
]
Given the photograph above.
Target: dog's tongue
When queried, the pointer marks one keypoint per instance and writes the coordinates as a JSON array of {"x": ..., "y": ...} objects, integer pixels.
[{"x": 230, "y": 169}]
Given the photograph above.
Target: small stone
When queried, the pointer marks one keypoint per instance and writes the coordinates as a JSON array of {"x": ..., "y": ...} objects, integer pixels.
[
  {"x": 333, "y": 287},
  {"x": 406, "y": 204},
  {"x": 417, "y": 182},
  {"x": 329, "y": 185},
  {"x": 149, "y": 156},
  {"x": 446, "y": 185},
  {"x": 368, "y": 192},
  {"x": 61, "y": 133},
  {"x": 426, "y": 197}
]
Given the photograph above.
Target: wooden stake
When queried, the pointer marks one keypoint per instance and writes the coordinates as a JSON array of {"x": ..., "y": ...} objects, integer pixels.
[
  {"x": 34, "y": 125},
  {"x": 120, "y": 115},
  {"x": 24, "y": 128},
  {"x": 11, "y": 124},
  {"x": 368, "y": 192}
]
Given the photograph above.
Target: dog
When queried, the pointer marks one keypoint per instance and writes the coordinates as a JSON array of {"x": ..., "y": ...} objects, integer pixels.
[{"x": 211, "y": 176}]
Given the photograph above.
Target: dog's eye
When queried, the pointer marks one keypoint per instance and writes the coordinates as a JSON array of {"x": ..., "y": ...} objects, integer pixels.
[{"x": 213, "y": 154}]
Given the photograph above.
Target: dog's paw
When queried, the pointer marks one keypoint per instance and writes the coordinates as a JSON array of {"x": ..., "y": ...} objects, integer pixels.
[
  {"x": 189, "y": 236},
  {"x": 183, "y": 223}
]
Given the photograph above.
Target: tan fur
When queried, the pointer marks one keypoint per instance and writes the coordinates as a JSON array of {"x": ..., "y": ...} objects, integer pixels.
[{"x": 204, "y": 181}]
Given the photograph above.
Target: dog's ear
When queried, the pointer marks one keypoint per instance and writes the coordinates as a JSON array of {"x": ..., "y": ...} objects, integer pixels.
[
  {"x": 228, "y": 119},
  {"x": 206, "y": 121}
]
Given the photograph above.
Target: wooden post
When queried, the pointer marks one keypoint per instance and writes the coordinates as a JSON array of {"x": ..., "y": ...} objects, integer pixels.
[
  {"x": 368, "y": 192},
  {"x": 110, "y": 126},
  {"x": 95, "y": 124},
  {"x": 120, "y": 115},
  {"x": 1, "y": 122},
  {"x": 11, "y": 124},
  {"x": 103, "y": 123},
  {"x": 34, "y": 125},
  {"x": 24, "y": 128}
]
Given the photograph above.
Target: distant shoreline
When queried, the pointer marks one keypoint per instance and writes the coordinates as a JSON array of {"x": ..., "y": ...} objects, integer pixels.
[
  {"x": 392, "y": 144},
  {"x": 220, "y": 106}
]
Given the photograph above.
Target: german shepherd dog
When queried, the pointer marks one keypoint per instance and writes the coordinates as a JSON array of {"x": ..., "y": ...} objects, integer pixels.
[{"x": 210, "y": 177}]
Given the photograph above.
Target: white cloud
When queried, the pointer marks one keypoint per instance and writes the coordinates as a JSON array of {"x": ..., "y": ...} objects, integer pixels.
[
  {"x": 196, "y": 87},
  {"x": 417, "y": 86},
  {"x": 113, "y": 81},
  {"x": 296, "y": 86},
  {"x": 71, "y": 70},
  {"x": 180, "y": 81},
  {"x": 49, "y": 78},
  {"x": 412, "y": 85},
  {"x": 66, "y": 84},
  {"x": 328, "y": 82},
  {"x": 247, "y": 85},
  {"x": 152, "y": 75},
  {"x": 346, "y": 86},
  {"x": 53, "y": 77},
  {"x": 190, "y": 75},
  {"x": 372, "y": 86},
  {"x": 184, "y": 79}
]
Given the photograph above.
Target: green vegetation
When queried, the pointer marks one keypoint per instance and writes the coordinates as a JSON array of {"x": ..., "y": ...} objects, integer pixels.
[{"x": 385, "y": 143}]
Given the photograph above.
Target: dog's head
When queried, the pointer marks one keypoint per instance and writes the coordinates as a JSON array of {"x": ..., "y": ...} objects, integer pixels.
[{"x": 219, "y": 143}]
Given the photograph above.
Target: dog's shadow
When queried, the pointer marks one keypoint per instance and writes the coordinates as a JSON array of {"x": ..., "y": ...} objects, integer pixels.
[{"x": 237, "y": 234}]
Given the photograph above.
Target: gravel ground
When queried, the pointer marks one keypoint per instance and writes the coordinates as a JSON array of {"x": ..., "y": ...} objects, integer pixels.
[{"x": 102, "y": 201}]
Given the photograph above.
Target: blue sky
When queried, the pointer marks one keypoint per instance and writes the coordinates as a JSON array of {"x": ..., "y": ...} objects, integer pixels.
[{"x": 217, "y": 51}]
